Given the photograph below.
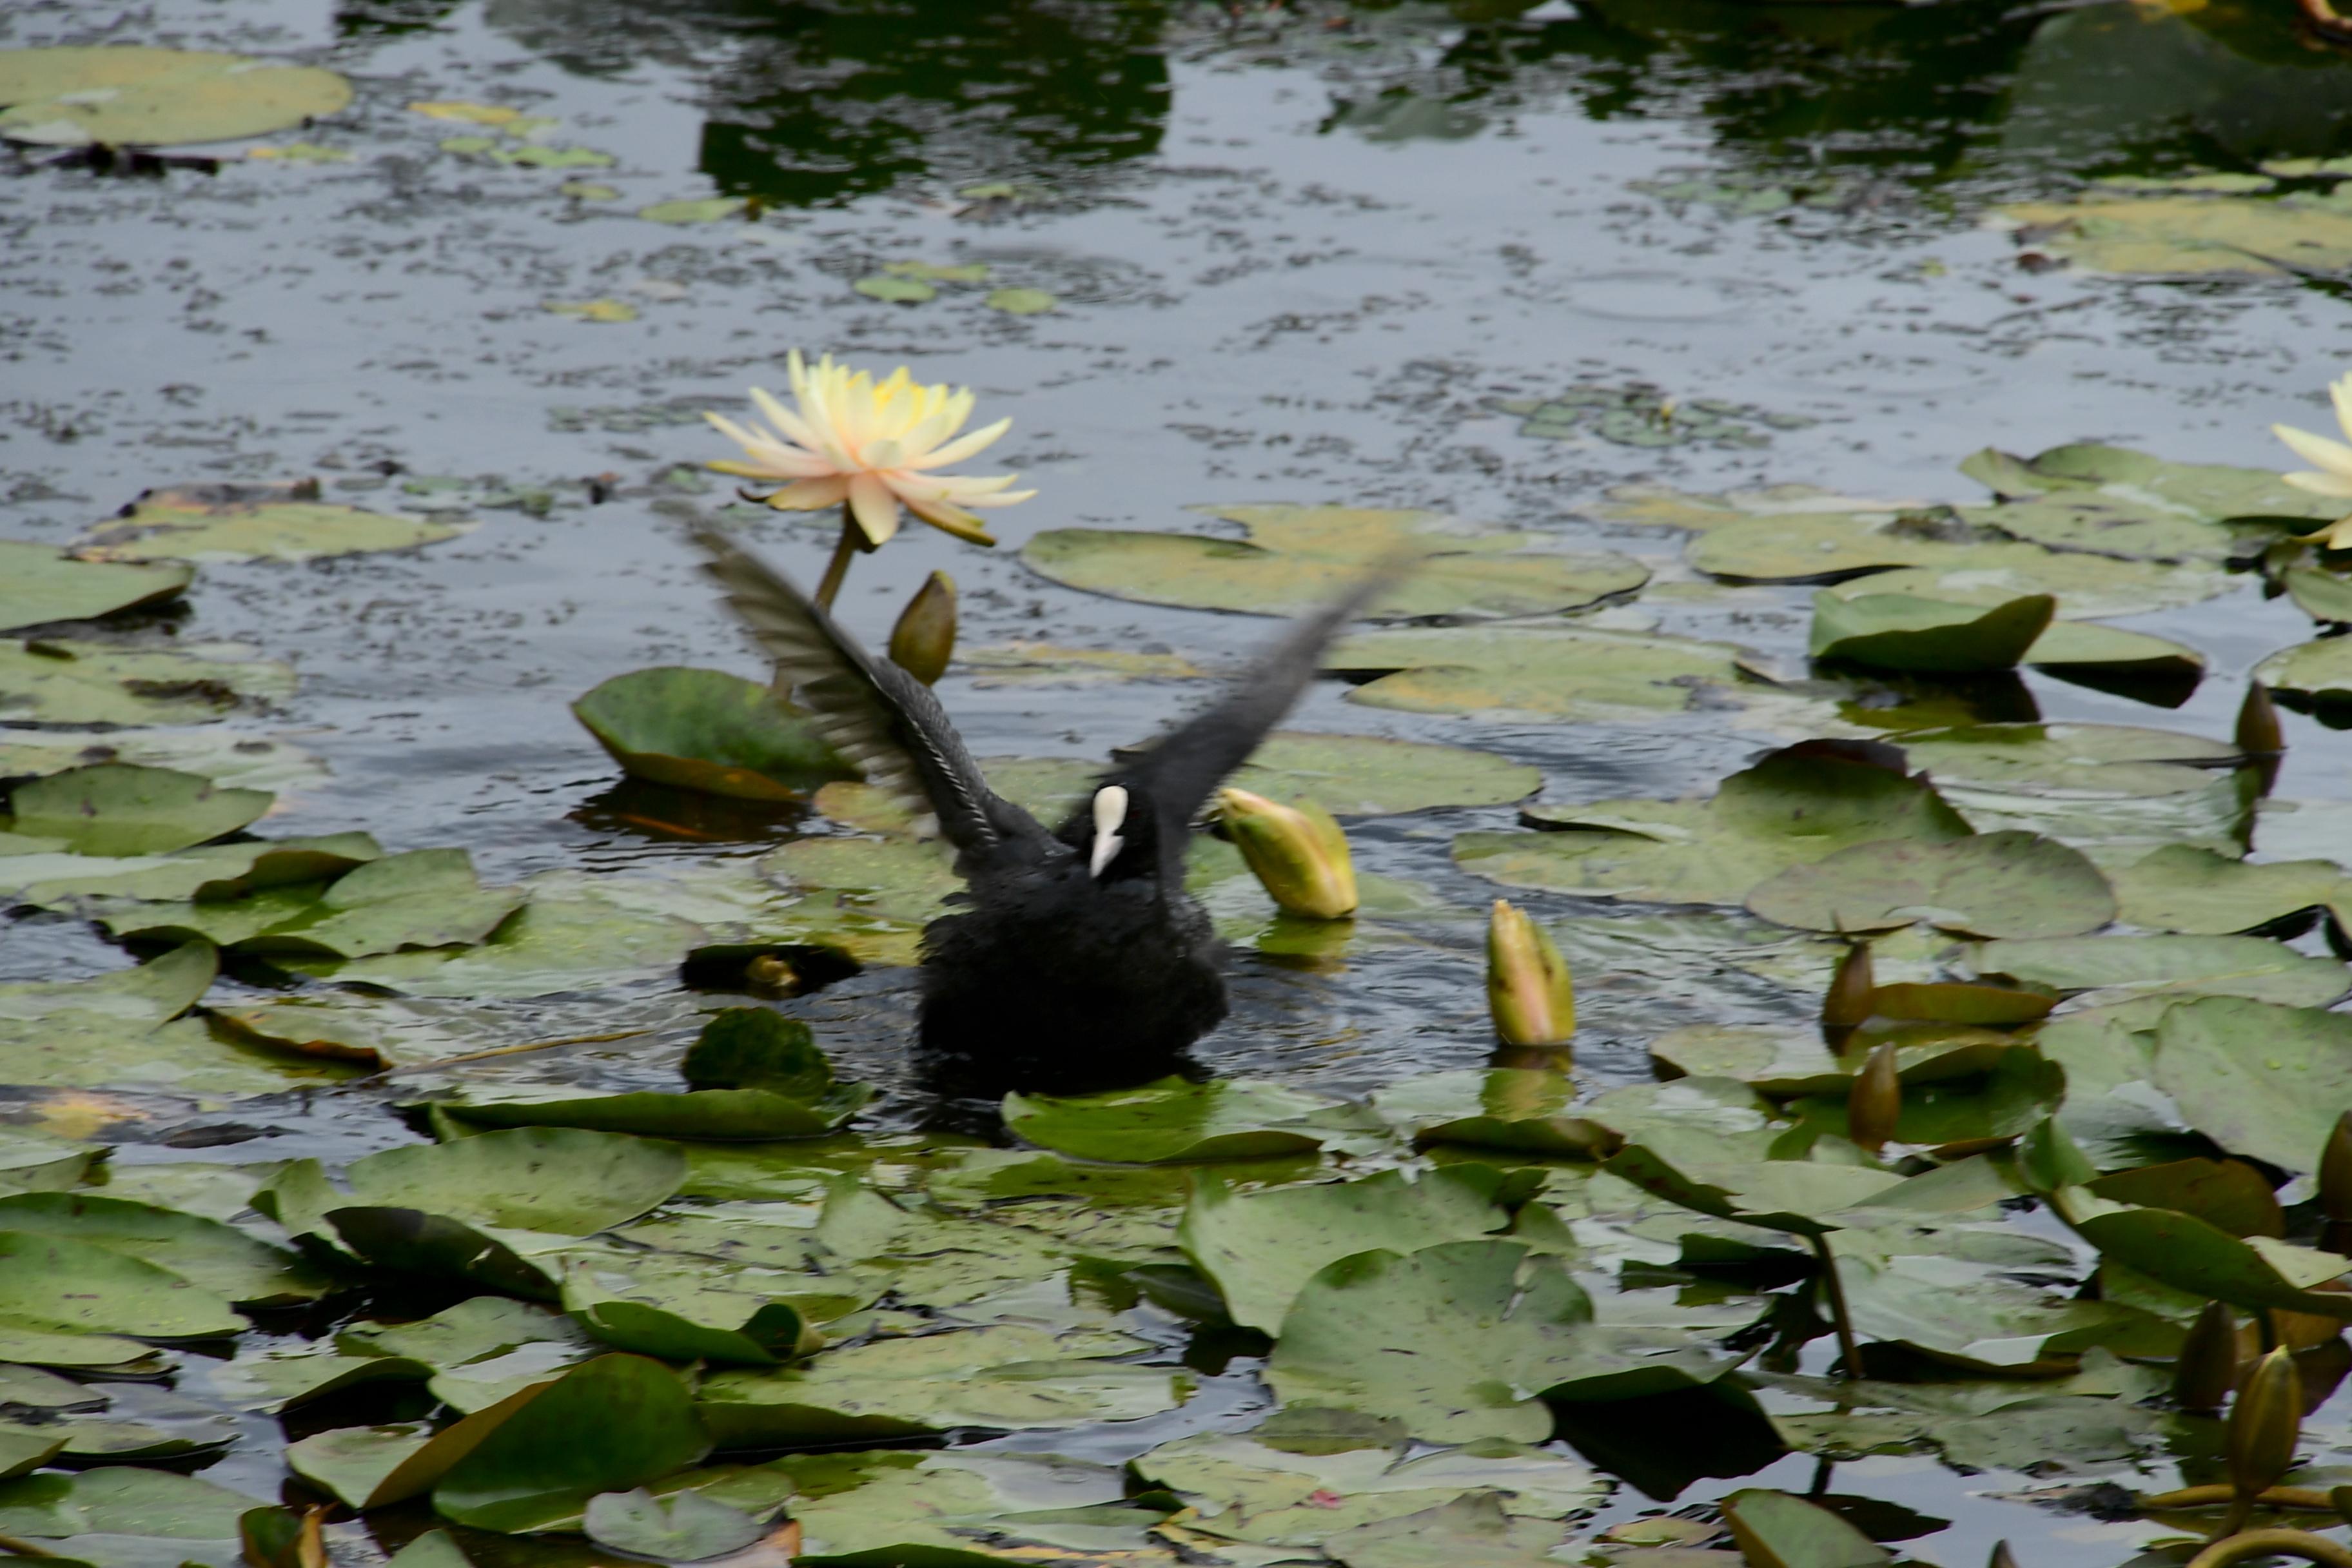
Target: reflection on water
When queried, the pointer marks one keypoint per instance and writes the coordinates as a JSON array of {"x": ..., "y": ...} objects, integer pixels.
[{"x": 812, "y": 103}]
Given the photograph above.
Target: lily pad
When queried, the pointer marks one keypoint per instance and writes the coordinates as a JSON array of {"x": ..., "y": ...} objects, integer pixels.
[
  {"x": 1797, "y": 807},
  {"x": 724, "y": 1114},
  {"x": 2258, "y": 1079},
  {"x": 684, "y": 1528},
  {"x": 1550, "y": 671},
  {"x": 145, "y": 97},
  {"x": 1260, "y": 1248},
  {"x": 1174, "y": 1121},
  {"x": 215, "y": 871},
  {"x": 1298, "y": 557},
  {"x": 1523, "y": 1111},
  {"x": 61, "y": 1285},
  {"x": 2193, "y": 1254},
  {"x": 1021, "y": 302},
  {"x": 706, "y": 209},
  {"x": 2122, "y": 966},
  {"x": 2322, "y": 595},
  {"x": 2115, "y": 760},
  {"x": 118, "y": 809},
  {"x": 2215, "y": 493},
  {"x": 62, "y": 683},
  {"x": 1989, "y": 885},
  {"x": 728, "y": 1314},
  {"x": 563, "y": 1181},
  {"x": 1794, "y": 1062},
  {"x": 2316, "y": 674},
  {"x": 952, "y": 1508},
  {"x": 352, "y": 1463},
  {"x": 706, "y": 730},
  {"x": 209, "y": 1254},
  {"x": 2181, "y": 887},
  {"x": 39, "y": 583},
  {"x": 153, "y": 1504},
  {"x": 1049, "y": 664},
  {"x": 610, "y": 1424},
  {"x": 2191, "y": 236},
  {"x": 250, "y": 523},
  {"x": 423, "y": 899},
  {"x": 1777, "y": 1530},
  {"x": 2078, "y": 648},
  {"x": 1893, "y": 631},
  {"x": 1457, "y": 1342}
]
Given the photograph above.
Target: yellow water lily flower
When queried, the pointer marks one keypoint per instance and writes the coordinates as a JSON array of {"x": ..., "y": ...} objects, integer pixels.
[
  {"x": 2330, "y": 473},
  {"x": 873, "y": 445}
]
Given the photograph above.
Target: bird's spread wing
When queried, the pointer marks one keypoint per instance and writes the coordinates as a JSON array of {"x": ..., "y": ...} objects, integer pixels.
[
  {"x": 874, "y": 714},
  {"x": 1180, "y": 769}
]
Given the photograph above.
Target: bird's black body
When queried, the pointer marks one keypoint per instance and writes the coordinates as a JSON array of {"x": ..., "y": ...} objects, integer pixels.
[{"x": 1076, "y": 959}]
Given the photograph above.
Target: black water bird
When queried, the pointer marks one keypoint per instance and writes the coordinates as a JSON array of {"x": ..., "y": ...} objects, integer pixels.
[{"x": 1076, "y": 958}]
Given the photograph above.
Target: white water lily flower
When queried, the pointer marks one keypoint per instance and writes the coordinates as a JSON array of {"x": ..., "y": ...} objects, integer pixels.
[
  {"x": 2331, "y": 470},
  {"x": 874, "y": 445}
]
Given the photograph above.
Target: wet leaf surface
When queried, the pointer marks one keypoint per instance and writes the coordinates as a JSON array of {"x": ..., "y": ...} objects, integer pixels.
[
  {"x": 1989, "y": 884},
  {"x": 61, "y": 682},
  {"x": 145, "y": 97},
  {"x": 39, "y": 583},
  {"x": 227, "y": 522},
  {"x": 705, "y": 730}
]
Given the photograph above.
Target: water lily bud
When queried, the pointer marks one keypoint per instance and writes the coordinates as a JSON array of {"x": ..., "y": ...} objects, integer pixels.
[
  {"x": 1528, "y": 988},
  {"x": 2259, "y": 734},
  {"x": 1298, "y": 851},
  {"x": 2265, "y": 1422},
  {"x": 1847, "y": 1002},
  {"x": 2002, "y": 1557},
  {"x": 2336, "y": 1172},
  {"x": 2207, "y": 1367},
  {"x": 925, "y": 634},
  {"x": 1874, "y": 1103}
]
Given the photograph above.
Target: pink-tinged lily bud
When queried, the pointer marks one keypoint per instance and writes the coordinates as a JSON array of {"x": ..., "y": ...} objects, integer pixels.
[
  {"x": 2207, "y": 1367},
  {"x": 925, "y": 637},
  {"x": 1528, "y": 988},
  {"x": 1875, "y": 1104},
  {"x": 1298, "y": 851},
  {"x": 2266, "y": 1424},
  {"x": 1846, "y": 1005}
]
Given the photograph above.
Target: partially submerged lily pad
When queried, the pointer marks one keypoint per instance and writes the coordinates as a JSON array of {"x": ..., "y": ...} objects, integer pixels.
[
  {"x": 706, "y": 730},
  {"x": 250, "y": 523},
  {"x": 1298, "y": 557},
  {"x": 39, "y": 583},
  {"x": 120, "y": 810},
  {"x": 62, "y": 683},
  {"x": 137, "y": 95}
]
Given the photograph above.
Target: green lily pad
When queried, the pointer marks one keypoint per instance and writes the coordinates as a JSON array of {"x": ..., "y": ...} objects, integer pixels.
[
  {"x": 707, "y": 209},
  {"x": 2193, "y": 1254},
  {"x": 2115, "y": 761},
  {"x": 39, "y": 583},
  {"x": 2191, "y": 236},
  {"x": 209, "y": 1254},
  {"x": 1892, "y": 631},
  {"x": 2098, "y": 523},
  {"x": 2020, "y": 1090},
  {"x": 725, "y": 1114},
  {"x": 1298, "y": 557},
  {"x": 118, "y": 809},
  {"x": 54, "y": 1283},
  {"x": 2214, "y": 492},
  {"x": 1990, "y": 885},
  {"x": 2085, "y": 645},
  {"x": 709, "y": 730},
  {"x": 351, "y": 1463},
  {"x": 145, "y": 97},
  {"x": 2229, "y": 1193},
  {"x": 34, "y": 1161},
  {"x": 249, "y": 522},
  {"x": 2316, "y": 674},
  {"x": 685, "y": 1528},
  {"x": 870, "y": 896},
  {"x": 60, "y": 682},
  {"x": 1792, "y": 1062},
  {"x": 1795, "y": 807},
  {"x": 122, "y": 1502},
  {"x": 1777, "y": 1530},
  {"x": 1174, "y": 1121},
  {"x": 1572, "y": 671},
  {"x": 2322, "y": 595},
  {"x": 1005, "y": 1377},
  {"x": 422, "y": 899},
  {"x": 1801, "y": 1197},
  {"x": 896, "y": 291},
  {"x": 2122, "y": 966},
  {"x": 563, "y": 1181},
  {"x": 754, "y": 1047},
  {"x": 728, "y": 1315},
  {"x": 2256, "y": 1078},
  {"x": 213, "y": 871},
  {"x": 1021, "y": 302},
  {"x": 1260, "y": 1248},
  {"x": 1522, "y": 1110},
  {"x": 1457, "y": 1342},
  {"x": 2181, "y": 887},
  {"x": 226, "y": 757},
  {"x": 1050, "y": 664},
  {"x": 609, "y": 1426}
]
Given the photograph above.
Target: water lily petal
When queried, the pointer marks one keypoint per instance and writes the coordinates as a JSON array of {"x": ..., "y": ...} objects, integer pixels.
[
  {"x": 956, "y": 451},
  {"x": 2322, "y": 484},
  {"x": 809, "y": 495},
  {"x": 2330, "y": 457},
  {"x": 2339, "y": 390},
  {"x": 789, "y": 424},
  {"x": 949, "y": 519},
  {"x": 874, "y": 506}
]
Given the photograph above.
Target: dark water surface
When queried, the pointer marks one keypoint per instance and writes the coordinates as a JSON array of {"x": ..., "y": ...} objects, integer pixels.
[{"x": 1300, "y": 252}]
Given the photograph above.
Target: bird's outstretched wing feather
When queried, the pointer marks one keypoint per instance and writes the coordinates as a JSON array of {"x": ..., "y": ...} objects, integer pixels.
[
  {"x": 1180, "y": 769},
  {"x": 874, "y": 714}
]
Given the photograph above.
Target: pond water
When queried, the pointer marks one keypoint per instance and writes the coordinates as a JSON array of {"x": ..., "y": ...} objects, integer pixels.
[{"x": 1300, "y": 253}]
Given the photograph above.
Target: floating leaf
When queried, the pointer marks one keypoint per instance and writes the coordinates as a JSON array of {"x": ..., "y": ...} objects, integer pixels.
[
  {"x": 1777, "y": 1530},
  {"x": 559, "y": 1179},
  {"x": 153, "y": 1504},
  {"x": 685, "y": 1528},
  {"x": 2082, "y": 647},
  {"x": 1525, "y": 1111},
  {"x": 117, "y": 809},
  {"x": 1795, "y": 807},
  {"x": 2317, "y": 674},
  {"x": 954, "y": 1507},
  {"x": 1260, "y": 1248},
  {"x": 2322, "y": 595},
  {"x": 610, "y": 1424},
  {"x": 145, "y": 97},
  {"x": 54, "y": 1283},
  {"x": 728, "y": 1314},
  {"x": 1575, "y": 671},
  {"x": 2188, "y": 1253},
  {"x": 250, "y": 523},
  {"x": 209, "y": 1254},
  {"x": 2119, "y": 966},
  {"x": 1174, "y": 1121},
  {"x": 213, "y": 871},
  {"x": 352, "y": 1463},
  {"x": 737, "y": 1114},
  {"x": 1792, "y": 1062},
  {"x": 2257, "y": 1079},
  {"x": 39, "y": 583},
  {"x": 708, "y": 209},
  {"x": 896, "y": 291},
  {"x": 705, "y": 730},
  {"x": 1021, "y": 302},
  {"x": 423, "y": 899},
  {"x": 1049, "y": 664},
  {"x": 591, "y": 310},
  {"x": 1990, "y": 885},
  {"x": 58, "y": 682},
  {"x": 2181, "y": 887},
  {"x": 2191, "y": 236},
  {"x": 1894, "y": 631},
  {"x": 1298, "y": 557}
]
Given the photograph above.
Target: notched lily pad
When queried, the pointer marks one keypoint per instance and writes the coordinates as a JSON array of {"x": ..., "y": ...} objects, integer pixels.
[
  {"x": 1989, "y": 885},
  {"x": 706, "y": 730},
  {"x": 1297, "y": 557},
  {"x": 250, "y": 523}
]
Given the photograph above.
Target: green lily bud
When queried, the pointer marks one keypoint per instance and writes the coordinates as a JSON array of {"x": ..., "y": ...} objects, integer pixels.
[
  {"x": 925, "y": 634},
  {"x": 2259, "y": 734},
  {"x": 1874, "y": 1103},
  {"x": 1528, "y": 988},
  {"x": 1298, "y": 851},
  {"x": 1847, "y": 1002},
  {"x": 2265, "y": 1422},
  {"x": 2002, "y": 1557},
  {"x": 2336, "y": 1172},
  {"x": 2207, "y": 1367}
]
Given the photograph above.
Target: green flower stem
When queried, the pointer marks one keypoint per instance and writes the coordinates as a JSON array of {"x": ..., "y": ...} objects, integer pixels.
[
  {"x": 2214, "y": 1496},
  {"x": 2266, "y": 1542},
  {"x": 838, "y": 567},
  {"x": 1849, "y": 1354}
]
